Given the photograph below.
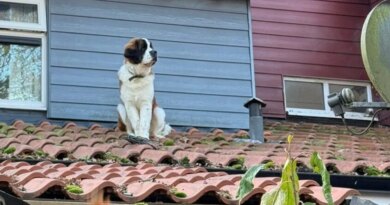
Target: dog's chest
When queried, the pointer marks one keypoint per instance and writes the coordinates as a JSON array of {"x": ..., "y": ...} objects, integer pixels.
[{"x": 136, "y": 89}]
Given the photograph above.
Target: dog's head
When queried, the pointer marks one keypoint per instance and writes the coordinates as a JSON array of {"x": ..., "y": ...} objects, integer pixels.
[{"x": 140, "y": 51}]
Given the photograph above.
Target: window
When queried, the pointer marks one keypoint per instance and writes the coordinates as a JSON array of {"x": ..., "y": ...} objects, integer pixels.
[
  {"x": 23, "y": 15},
  {"x": 308, "y": 97},
  {"x": 23, "y": 54}
]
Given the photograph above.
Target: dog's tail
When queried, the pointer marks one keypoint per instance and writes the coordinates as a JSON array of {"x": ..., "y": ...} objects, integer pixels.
[
  {"x": 121, "y": 117},
  {"x": 166, "y": 130}
]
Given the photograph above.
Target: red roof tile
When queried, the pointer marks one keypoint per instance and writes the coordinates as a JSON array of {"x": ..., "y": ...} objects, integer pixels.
[
  {"x": 194, "y": 182},
  {"x": 342, "y": 153}
]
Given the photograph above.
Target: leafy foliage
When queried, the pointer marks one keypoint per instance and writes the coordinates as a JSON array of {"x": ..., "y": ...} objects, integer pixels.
[
  {"x": 218, "y": 138},
  {"x": 169, "y": 142},
  {"x": 75, "y": 189},
  {"x": 373, "y": 171},
  {"x": 287, "y": 192},
  {"x": 185, "y": 162},
  {"x": 109, "y": 156},
  {"x": 3, "y": 128},
  {"x": 30, "y": 129},
  {"x": 246, "y": 183},
  {"x": 320, "y": 168},
  {"x": 40, "y": 153},
  {"x": 177, "y": 193},
  {"x": 239, "y": 164},
  {"x": 9, "y": 150}
]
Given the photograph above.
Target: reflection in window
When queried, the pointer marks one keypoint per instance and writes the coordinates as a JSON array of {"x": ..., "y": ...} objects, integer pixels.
[
  {"x": 27, "y": 13},
  {"x": 304, "y": 95},
  {"x": 20, "y": 72}
]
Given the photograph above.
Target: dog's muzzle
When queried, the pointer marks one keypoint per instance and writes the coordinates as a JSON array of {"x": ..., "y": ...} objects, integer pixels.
[{"x": 153, "y": 54}]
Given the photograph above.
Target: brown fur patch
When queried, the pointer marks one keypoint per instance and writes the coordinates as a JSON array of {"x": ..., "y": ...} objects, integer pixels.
[
  {"x": 154, "y": 104},
  {"x": 132, "y": 44},
  {"x": 134, "y": 50},
  {"x": 120, "y": 125}
]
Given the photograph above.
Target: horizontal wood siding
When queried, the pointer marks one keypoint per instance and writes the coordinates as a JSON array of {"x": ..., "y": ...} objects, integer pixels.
[
  {"x": 204, "y": 58},
  {"x": 373, "y": 3},
  {"x": 305, "y": 38}
]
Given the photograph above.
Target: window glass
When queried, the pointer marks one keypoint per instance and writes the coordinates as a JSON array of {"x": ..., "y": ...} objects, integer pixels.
[
  {"x": 17, "y": 12},
  {"x": 306, "y": 95},
  {"x": 20, "y": 72}
]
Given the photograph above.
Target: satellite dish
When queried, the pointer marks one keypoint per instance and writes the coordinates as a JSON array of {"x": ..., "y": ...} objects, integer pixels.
[{"x": 375, "y": 46}]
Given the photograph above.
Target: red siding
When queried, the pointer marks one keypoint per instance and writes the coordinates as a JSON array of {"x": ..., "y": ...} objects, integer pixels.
[
  {"x": 374, "y": 2},
  {"x": 306, "y": 38}
]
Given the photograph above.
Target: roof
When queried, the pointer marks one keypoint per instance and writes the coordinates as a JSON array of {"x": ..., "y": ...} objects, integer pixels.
[
  {"x": 45, "y": 142},
  {"x": 143, "y": 182}
]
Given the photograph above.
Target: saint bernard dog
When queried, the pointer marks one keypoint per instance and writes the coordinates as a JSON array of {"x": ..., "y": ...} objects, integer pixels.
[{"x": 139, "y": 114}]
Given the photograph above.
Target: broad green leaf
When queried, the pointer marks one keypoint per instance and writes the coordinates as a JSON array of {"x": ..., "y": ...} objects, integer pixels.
[
  {"x": 319, "y": 167},
  {"x": 270, "y": 197},
  {"x": 246, "y": 183},
  {"x": 287, "y": 192}
]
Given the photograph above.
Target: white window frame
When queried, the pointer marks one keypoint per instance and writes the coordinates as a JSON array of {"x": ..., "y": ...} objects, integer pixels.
[
  {"x": 327, "y": 112},
  {"x": 40, "y": 26},
  {"x": 29, "y": 105}
]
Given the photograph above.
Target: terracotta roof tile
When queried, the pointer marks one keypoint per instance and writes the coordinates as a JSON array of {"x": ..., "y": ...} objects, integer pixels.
[
  {"x": 215, "y": 148},
  {"x": 343, "y": 154},
  {"x": 194, "y": 182}
]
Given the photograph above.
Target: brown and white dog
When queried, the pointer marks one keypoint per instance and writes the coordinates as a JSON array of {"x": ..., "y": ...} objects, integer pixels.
[{"x": 139, "y": 114}]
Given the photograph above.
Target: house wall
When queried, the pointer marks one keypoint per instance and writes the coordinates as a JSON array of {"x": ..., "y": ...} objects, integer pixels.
[
  {"x": 306, "y": 38},
  {"x": 203, "y": 75},
  {"x": 374, "y": 3}
]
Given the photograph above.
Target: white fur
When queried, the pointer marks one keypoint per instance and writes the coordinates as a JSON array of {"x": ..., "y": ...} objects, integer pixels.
[
  {"x": 147, "y": 57},
  {"x": 137, "y": 97}
]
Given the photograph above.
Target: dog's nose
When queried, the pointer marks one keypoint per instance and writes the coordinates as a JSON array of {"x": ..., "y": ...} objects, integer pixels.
[{"x": 153, "y": 53}]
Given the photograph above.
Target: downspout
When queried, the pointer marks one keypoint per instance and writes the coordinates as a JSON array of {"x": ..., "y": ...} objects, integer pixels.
[{"x": 255, "y": 105}]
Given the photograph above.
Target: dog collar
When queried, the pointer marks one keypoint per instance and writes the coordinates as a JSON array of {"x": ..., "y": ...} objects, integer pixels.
[{"x": 135, "y": 76}]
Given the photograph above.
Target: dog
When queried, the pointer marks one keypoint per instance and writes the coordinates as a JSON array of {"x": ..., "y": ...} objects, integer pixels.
[{"x": 139, "y": 114}]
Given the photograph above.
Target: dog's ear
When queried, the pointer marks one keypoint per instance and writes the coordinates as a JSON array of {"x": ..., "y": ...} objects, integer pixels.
[
  {"x": 134, "y": 50},
  {"x": 133, "y": 55}
]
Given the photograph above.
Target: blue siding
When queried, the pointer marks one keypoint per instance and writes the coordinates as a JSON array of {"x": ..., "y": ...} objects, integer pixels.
[{"x": 203, "y": 75}]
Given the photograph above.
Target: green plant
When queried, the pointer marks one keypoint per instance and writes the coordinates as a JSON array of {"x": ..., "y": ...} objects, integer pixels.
[
  {"x": 177, "y": 193},
  {"x": 9, "y": 150},
  {"x": 109, "y": 156},
  {"x": 218, "y": 138},
  {"x": 169, "y": 142},
  {"x": 269, "y": 165},
  {"x": 319, "y": 167},
  {"x": 124, "y": 161},
  {"x": 238, "y": 164},
  {"x": 3, "y": 128},
  {"x": 287, "y": 192},
  {"x": 185, "y": 162},
  {"x": 73, "y": 188},
  {"x": 40, "y": 153},
  {"x": 30, "y": 129},
  {"x": 372, "y": 171}
]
